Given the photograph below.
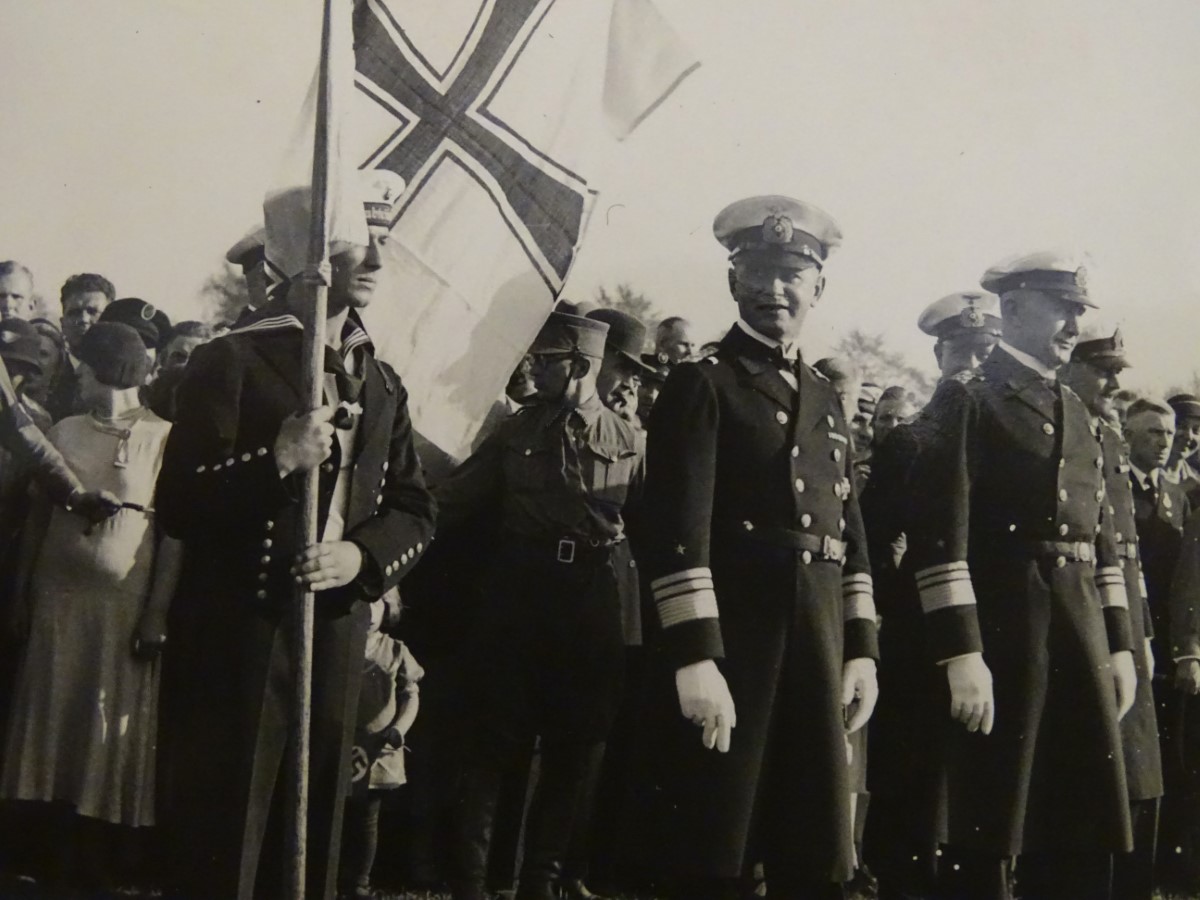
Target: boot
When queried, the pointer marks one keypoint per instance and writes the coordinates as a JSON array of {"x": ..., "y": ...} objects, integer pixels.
[
  {"x": 475, "y": 810},
  {"x": 551, "y": 816}
]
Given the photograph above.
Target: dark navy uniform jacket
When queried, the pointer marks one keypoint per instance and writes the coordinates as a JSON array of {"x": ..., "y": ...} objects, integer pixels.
[
  {"x": 757, "y": 558},
  {"x": 1014, "y": 554}
]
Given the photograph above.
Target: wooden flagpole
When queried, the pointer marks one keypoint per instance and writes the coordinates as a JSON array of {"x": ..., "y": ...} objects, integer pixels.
[{"x": 316, "y": 277}]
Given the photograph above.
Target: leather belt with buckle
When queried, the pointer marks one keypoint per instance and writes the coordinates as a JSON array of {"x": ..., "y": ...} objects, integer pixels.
[
  {"x": 1127, "y": 549},
  {"x": 822, "y": 547},
  {"x": 1071, "y": 551}
]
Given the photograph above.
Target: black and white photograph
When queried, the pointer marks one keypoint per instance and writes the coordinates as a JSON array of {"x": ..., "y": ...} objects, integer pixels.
[{"x": 599, "y": 450}]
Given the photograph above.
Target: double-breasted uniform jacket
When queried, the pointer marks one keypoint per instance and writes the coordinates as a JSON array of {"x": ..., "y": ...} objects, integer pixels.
[
  {"x": 1014, "y": 556},
  {"x": 226, "y": 681},
  {"x": 1160, "y": 510},
  {"x": 1139, "y": 728},
  {"x": 757, "y": 559}
]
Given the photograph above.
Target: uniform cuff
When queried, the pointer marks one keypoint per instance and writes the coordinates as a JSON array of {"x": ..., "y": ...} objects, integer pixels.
[
  {"x": 859, "y": 616},
  {"x": 948, "y": 601},
  {"x": 687, "y": 611}
]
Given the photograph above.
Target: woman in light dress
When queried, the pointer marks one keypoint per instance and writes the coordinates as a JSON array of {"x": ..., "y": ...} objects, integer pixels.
[{"x": 92, "y": 602}]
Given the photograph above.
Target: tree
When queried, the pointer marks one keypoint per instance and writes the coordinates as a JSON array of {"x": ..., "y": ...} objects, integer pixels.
[
  {"x": 224, "y": 294},
  {"x": 637, "y": 304},
  {"x": 884, "y": 367}
]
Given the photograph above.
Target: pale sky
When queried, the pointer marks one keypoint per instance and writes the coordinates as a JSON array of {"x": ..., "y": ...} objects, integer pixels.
[{"x": 943, "y": 135}]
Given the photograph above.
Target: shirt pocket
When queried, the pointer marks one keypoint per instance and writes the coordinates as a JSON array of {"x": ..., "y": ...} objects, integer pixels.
[{"x": 608, "y": 472}]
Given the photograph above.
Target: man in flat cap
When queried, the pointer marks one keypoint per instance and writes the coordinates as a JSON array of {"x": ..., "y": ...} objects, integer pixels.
[
  {"x": 1094, "y": 374},
  {"x": 966, "y": 326},
  {"x": 758, "y": 566},
  {"x": 230, "y": 488},
  {"x": 84, "y": 298},
  {"x": 546, "y": 650},
  {"x": 1025, "y": 608}
]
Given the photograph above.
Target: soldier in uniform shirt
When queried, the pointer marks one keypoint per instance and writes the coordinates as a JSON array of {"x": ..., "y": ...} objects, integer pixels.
[
  {"x": 1093, "y": 373},
  {"x": 1025, "y": 608},
  {"x": 966, "y": 326},
  {"x": 759, "y": 572},
  {"x": 546, "y": 651},
  {"x": 1161, "y": 508}
]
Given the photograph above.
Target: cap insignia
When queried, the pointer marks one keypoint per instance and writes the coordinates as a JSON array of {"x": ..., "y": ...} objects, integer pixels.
[
  {"x": 148, "y": 312},
  {"x": 971, "y": 318},
  {"x": 9, "y": 337},
  {"x": 777, "y": 230}
]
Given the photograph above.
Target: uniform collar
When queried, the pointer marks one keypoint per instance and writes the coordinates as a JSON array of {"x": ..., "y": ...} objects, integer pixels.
[
  {"x": 589, "y": 411},
  {"x": 1029, "y": 362},
  {"x": 1145, "y": 479},
  {"x": 790, "y": 351},
  {"x": 275, "y": 316}
]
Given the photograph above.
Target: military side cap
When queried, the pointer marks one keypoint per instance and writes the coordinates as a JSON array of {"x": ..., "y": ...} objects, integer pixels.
[
  {"x": 565, "y": 333},
  {"x": 969, "y": 311},
  {"x": 1054, "y": 273},
  {"x": 381, "y": 193},
  {"x": 657, "y": 368},
  {"x": 19, "y": 343},
  {"x": 1101, "y": 346},
  {"x": 150, "y": 322},
  {"x": 777, "y": 226},
  {"x": 249, "y": 249},
  {"x": 1185, "y": 405},
  {"x": 626, "y": 334}
]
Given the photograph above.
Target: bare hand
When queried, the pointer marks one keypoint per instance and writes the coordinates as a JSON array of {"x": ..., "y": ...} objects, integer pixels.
[
  {"x": 150, "y": 635},
  {"x": 1150, "y": 657},
  {"x": 305, "y": 441},
  {"x": 1125, "y": 680},
  {"x": 971, "y": 699},
  {"x": 704, "y": 699},
  {"x": 95, "y": 506},
  {"x": 1187, "y": 676},
  {"x": 328, "y": 565},
  {"x": 860, "y": 690}
]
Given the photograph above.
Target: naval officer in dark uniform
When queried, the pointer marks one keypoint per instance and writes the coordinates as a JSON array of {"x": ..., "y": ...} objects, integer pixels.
[
  {"x": 1025, "y": 607},
  {"x": 765, "y": 647},
  {"x": 546, "y": 653},
  {"x": 898, "y": 848},
  {"x": 1094, "y": 374}
]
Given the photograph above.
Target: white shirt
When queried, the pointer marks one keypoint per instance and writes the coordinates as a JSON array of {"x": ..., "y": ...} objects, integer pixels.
[
  {"x": 790, "y": 351},
  {"x": 1145, "y": 480},
  {"x": 1026, "y": 360}
]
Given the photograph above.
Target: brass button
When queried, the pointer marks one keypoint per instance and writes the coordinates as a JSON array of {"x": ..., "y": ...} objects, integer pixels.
[
  {"x": 261, "y": 451},
  {"x": 841, "y": 524},
  {"x": 1062, "y": 463},
  {"x": 781, "y": 417},
  {"x": 748, "y": 525},
  {"x": 266, "y": 560},
  {"x": 795, "y": 452},
  {"x": 1063, "y": 529},
  {"x": 1099, "y": 462},
  {"x": 385, "y": 465},
  {"x": 246, "y": 457},
  {"x": 633, "y": 564},
  {"x": 327, "y": 467},
  {"x": 1048, "y": 428},
  {"x": 1121, "y": 563},
  {"x": 267, "y": 544},
  {"x": 229, "y": 462},
  {"x": 1118, "y": 536},
  {"x": 806, "y": 520},
  {"x": 1099, "y": 496},
  {"x": 379, "y": 500},
  {"x": 799, "y": 485},
  {"x": 269, "y": 525},
  {"x": 200, "y": 470},
  {"x": 1062, "y": 494},
  {"x": 806, "y": 556},
  {"x": 1166, "y": 501},
  {"x": 263, "y": 576},
  {"x": 829, "y": 421},
  {"x": 1061, "y": 561},
  {"x": 420, "y": 546},
  {"x": 261, "y": 595},
  {"x": 837, "y": 455}
]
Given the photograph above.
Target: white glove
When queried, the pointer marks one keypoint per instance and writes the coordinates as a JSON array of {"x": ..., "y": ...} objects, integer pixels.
[
  {"x": 1125, "y": 680},
  {"x": 704, "y": 699},
  {"x": 860, "y": 690},
  {"x": 971, "y": 699}
]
